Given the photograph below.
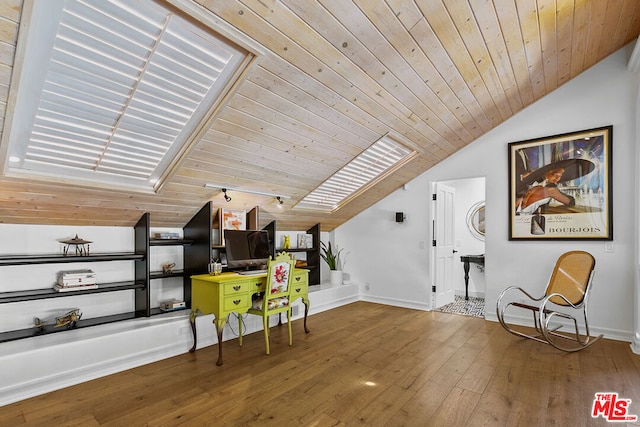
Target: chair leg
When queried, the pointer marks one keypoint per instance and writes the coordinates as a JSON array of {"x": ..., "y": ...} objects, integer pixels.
[
  {"x": 265, "y": 322},
  {"x": 289, "y": 326},
  {"x": 240, "y": 329}
]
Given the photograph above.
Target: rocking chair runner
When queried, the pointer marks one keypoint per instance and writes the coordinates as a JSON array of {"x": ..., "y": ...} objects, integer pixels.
[{"x": 566, "y": 293}]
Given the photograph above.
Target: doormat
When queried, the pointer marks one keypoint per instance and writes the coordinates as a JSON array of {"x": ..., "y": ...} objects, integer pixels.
[{"x": 473, "y": 307}]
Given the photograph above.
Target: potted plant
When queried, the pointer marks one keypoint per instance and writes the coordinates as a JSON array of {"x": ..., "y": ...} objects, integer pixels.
[{"x": 333, "y": 261}]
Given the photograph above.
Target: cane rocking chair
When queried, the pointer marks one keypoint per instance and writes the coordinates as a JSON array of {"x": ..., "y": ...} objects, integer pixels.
[{"x": 565, "y": 298}]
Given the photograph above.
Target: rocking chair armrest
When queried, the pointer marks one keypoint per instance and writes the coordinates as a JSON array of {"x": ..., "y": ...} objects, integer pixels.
[
  {"x": 517, "y": 288},
  {"x": 546, "y": 299}
]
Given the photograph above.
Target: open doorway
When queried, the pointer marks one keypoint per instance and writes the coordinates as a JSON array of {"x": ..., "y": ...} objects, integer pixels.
[{"x": 467, "y": 279}]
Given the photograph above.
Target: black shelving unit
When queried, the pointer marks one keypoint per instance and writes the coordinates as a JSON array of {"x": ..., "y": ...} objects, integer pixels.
[
  {"x": 197, "y": 255},
  {"x": 141, "y": 247},
  {"x": 313, "y": 254},
  {"x": 139, "y": 285}
]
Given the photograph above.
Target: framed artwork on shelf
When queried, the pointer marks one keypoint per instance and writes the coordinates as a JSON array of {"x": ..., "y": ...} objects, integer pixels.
[
  {"x": 305, "y": 241},
  {"x": 230, "y": 220},
  {"x": 560, "y": 187}
]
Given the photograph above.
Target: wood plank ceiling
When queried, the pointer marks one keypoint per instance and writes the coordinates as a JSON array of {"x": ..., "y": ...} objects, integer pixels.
[{"x": 338, "y": 75}]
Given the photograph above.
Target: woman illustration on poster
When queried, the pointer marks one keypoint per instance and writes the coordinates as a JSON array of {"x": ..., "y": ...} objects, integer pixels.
[
  {"x": 544, "y": 182},
  {"x": 540, "y": 195}
]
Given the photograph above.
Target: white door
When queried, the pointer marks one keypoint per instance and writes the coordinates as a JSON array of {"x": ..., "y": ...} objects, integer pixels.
[{"x": 444, "y": 235}]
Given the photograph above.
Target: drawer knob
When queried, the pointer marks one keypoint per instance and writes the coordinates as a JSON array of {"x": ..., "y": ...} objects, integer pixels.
[
  {"x": 298, "y": 278},
  {"x": 298, "y": 289},
  {"x": 236, "y": 287},
  {"x": 258, "y": 284},
  {"x": 236, "y": 301}
]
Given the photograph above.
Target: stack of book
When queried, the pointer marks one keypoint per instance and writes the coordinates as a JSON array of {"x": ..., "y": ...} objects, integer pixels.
[
  {"x": 161, "y": 236},
  {"x": 76, "y": 280}
]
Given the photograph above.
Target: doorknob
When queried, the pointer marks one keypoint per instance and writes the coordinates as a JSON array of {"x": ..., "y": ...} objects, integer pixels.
[{"x": 454, "y": 251}]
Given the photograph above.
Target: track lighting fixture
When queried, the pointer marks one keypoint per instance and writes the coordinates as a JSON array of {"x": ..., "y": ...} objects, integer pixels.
[
  {"x": 280, "y": 201},
  {"x": 227, "y": 198},
  {"x": 224, "y": 189}
]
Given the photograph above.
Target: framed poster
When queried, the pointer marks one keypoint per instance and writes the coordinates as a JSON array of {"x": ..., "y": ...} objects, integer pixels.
[
  {"x": 560, "y": 187},
  {"x": 228, "y": 220},
  {"x": 233, "y": 220}
]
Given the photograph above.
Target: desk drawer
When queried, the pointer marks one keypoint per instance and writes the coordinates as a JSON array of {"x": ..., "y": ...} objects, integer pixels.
[
  {"x": 301, "y": 280},
  {"x": 300, "y": 285},
  {"x": 236, "y": 288},
  {"x": 238, "y": 303},
  {"x": 257, "y": 285},
  {"x": 297, "y": 291}
]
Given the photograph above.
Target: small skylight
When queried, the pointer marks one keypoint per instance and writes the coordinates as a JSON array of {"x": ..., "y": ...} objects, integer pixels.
[
  {"x": 111, "y": 92},
  {"x": 373, "y": 164}
]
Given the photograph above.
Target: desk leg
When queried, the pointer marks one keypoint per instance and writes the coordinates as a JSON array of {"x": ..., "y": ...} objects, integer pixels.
[
  {"x": 192, "y": 320},
  {"x": 219, "y": 328},
  {"x": 305, "y": 301},
  {"x": 466, "y": 280}
]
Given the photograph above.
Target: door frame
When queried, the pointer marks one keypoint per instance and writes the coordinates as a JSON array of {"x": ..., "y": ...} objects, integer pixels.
[{"x": 432, "y": 220}]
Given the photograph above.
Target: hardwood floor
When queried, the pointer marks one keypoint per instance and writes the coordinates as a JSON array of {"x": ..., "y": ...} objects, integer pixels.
[{"x": 362, "y": 364}]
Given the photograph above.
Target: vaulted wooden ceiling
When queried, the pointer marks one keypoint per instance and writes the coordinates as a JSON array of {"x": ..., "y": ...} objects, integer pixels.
[{"x": 336, "y": 76}]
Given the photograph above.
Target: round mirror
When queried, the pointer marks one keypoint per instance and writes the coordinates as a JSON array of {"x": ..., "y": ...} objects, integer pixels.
[{"x": 475, "y": 220}]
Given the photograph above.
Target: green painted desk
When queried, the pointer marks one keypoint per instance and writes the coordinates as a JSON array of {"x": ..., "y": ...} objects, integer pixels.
[{"x": 231, "y": 293}]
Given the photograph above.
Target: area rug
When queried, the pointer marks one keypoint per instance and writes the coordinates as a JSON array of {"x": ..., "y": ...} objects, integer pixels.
[{"x": 473, "y": 307}]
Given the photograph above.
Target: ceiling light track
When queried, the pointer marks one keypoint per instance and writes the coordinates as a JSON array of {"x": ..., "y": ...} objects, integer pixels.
[{"x": 225, "y": 189}]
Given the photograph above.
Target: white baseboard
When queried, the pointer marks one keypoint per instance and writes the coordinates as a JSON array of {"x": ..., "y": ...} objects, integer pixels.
[
  {"x": 612, "y": 334},
  {"x": 397, "y": 302}
]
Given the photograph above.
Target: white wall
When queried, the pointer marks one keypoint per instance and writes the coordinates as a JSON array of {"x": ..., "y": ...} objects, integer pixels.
[{"x": 389, "y": 256}]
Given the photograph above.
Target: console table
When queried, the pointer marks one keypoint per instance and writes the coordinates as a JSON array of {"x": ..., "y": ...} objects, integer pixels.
[
  {"x": 467, "y": 259},
  {"x": 231, "y": 293}
]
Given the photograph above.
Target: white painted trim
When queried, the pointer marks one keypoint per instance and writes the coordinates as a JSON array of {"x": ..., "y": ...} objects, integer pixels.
[
  {"x": 397, "y": 302},
  {"x": 527, "y": 321}
]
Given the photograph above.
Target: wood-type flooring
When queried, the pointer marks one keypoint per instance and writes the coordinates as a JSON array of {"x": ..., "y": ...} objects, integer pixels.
[{"x": 362, "y": 364}]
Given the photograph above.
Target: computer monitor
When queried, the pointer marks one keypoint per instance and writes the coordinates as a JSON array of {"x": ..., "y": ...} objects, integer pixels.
[{"x": 246, "y": 249}]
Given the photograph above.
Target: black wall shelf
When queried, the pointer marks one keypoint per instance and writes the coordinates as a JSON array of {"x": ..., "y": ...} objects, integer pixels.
[
  {"x": 197, "y": 254},
  {"x": 313, "y": 254}
]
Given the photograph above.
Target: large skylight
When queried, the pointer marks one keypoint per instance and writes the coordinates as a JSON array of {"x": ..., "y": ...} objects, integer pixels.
[
  {"x": 112, "y": 91},
  {"x": 369, "y": 167}
]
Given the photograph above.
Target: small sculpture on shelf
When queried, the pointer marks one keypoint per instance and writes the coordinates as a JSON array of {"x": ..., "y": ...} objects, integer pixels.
[
  {"x": 81, "y": 246},
  {"x": 167, "y": 267},
  {"x": 69, "y": 319}
]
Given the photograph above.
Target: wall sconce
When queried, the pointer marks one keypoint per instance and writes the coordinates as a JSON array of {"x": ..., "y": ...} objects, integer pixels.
[{"x": 227, "y": 198}]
